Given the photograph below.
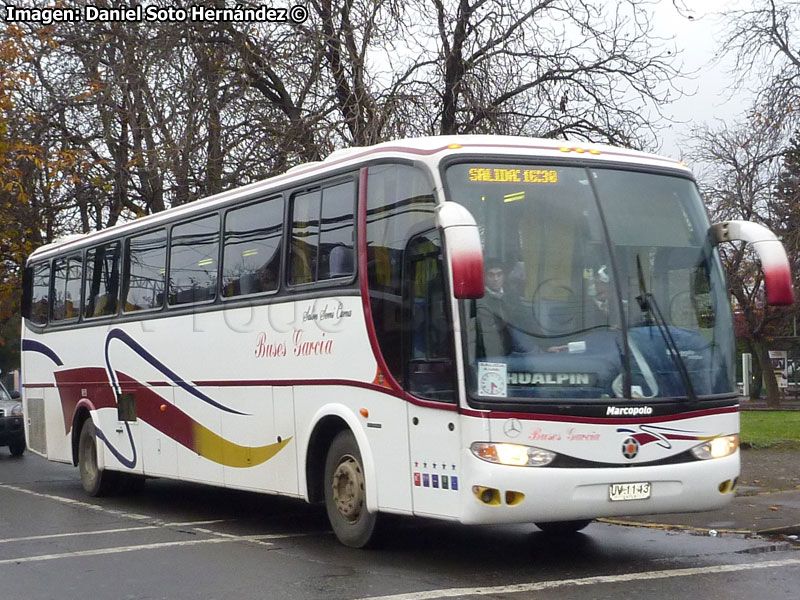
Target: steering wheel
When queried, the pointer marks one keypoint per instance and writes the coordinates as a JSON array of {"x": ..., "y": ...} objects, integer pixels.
[{"x": 557, "y": 322}]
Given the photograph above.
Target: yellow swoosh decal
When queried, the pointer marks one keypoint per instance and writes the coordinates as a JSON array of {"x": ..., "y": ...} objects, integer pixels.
[{"x": 216, "y": 448}]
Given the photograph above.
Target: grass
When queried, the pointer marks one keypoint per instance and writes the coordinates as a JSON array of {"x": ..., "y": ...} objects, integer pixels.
[{"x": 770, "y": 428}]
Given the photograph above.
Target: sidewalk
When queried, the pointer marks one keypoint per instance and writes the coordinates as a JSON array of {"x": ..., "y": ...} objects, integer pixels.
[{"x": 767, "y": 500}]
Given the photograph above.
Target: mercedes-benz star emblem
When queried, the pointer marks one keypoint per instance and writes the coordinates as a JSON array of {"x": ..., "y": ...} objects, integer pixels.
[{"x": 512, "y": 427}]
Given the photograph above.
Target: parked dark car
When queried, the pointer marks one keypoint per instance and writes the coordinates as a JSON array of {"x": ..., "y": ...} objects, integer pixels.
[{"x": 12, "y": 430}]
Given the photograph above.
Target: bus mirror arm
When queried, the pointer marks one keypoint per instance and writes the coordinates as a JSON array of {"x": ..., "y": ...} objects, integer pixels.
[
  {"x": 771, "y": 253},
  {"x": 463, "y": 250}
]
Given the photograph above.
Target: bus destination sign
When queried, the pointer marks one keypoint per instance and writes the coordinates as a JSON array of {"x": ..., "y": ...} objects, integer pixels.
[{"x": 496, "y": 175}]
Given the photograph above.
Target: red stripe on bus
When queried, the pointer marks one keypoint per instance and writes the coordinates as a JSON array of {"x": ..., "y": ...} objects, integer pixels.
[
  {"x": 332, "y": 382},
  {"x": 599, "y": 420}
]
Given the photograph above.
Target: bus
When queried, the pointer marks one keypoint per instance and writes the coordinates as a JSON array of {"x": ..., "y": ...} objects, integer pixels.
[{"x": 481, "y": 329}]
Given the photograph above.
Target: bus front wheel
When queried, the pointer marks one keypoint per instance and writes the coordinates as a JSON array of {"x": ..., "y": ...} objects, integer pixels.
[
  {"x": 345, "y": 493},
  {"x": 95, "y": 481},
  {"x": 563, "y": 527}
]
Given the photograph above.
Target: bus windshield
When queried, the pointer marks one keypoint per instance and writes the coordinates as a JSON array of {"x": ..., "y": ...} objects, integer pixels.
[{"x": 600, "y": 283}]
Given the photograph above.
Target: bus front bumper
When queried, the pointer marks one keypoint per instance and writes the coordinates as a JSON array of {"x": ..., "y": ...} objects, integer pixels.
[{"x": 504, "y": 494}]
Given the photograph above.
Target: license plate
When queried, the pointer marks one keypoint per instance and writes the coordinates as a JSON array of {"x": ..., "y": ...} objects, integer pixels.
[{"x": 628, "y": 491}]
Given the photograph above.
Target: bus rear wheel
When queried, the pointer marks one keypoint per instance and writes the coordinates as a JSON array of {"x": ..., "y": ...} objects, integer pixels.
[
  {"x": 345, "y": 493},
  {"x": 563, "y": 527},
  {"x": 95, "y": 481}
]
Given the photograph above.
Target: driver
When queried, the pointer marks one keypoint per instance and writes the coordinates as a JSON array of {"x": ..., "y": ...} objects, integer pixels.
[{"x": 492, "y": 312}]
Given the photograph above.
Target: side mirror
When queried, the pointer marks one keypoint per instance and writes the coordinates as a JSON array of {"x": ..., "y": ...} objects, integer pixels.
[
  {"x": 774, "y": 262},
  {"x": 15, "y": 395},
  {"x": 463, "y": 250}
]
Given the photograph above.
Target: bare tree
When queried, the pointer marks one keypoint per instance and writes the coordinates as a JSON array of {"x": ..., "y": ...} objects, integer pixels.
[
  {"x": 765, "y": 40},
  {"x": 743, "y": 166},
  {"x": 552, "y": 68}
]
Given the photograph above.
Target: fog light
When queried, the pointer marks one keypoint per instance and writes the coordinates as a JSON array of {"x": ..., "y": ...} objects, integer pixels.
[
  {"x": 487, "y": 495},
  {"x": 514, "y": 498}
]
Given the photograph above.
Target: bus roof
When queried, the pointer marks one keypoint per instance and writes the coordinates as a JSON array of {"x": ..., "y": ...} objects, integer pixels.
[{"x": 434, "y": 147}]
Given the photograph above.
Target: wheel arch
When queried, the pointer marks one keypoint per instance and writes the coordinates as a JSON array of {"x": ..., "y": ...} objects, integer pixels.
[{"x": 327, "y": 423}]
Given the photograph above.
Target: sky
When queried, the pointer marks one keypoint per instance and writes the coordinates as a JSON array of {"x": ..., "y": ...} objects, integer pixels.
[{"x": 698, "y": 42}]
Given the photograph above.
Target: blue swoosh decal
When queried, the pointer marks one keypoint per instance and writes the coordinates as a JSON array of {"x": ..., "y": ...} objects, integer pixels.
[
  {"x": 118, "y": 334},
  {"x": 34, "y": 346},
  {"x": 128, "y": 463}
]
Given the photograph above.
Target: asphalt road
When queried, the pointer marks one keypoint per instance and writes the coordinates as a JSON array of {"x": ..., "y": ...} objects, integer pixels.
[{"x": 177, "y": 540}]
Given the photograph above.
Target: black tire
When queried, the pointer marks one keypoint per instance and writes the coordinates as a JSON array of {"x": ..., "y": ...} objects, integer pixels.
[
  {"x": 345, "y": 493},
  {"x": 96, "y": 482},
  {"x": 17, "y": 448},
  {"x": 563, "y": 527}
]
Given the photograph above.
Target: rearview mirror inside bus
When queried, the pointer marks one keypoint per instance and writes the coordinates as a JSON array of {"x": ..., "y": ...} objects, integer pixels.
[
  {"x": 464, "y": 253},
  {"x": 770, "y": 251}
]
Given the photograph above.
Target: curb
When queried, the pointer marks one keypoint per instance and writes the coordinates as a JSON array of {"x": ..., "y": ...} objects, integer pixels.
[{"x": 673, "y": 526}]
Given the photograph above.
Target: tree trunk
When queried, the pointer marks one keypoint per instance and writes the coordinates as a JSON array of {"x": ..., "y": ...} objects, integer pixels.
[
  {"x": 757, "y": 382},
  {"x": 768, "y": 376},
  {"x": 755, "y": 371}
]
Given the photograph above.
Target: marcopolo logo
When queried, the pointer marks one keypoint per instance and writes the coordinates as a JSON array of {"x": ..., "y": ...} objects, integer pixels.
[{"x": 629, "y": 411}]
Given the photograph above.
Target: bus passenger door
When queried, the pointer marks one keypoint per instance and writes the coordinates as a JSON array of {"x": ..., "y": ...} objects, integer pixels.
[{"x": 430, "y": 377}]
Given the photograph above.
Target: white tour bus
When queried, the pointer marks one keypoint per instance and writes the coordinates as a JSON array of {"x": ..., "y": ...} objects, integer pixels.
[{"x": 327, "y": 334}]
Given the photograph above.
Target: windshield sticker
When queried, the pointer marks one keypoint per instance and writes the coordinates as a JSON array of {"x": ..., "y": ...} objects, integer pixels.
[
  {"x": 492, "y": 378},
  {"x": 561, "y": 379}
]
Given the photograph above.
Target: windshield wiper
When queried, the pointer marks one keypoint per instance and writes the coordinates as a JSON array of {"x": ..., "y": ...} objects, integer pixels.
[{"x": 647, "y": 304}]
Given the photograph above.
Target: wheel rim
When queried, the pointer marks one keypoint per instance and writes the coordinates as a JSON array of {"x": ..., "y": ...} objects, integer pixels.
[{"x": 348, "y": 488}]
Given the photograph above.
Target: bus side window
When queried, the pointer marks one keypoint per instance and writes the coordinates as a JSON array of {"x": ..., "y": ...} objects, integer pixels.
[
  {"x": 251, "y": 257},
  {"x": 323, "y": 228},
  {"x": 39, "y": 294},
  {"x": 429, "y": 338},
  {"x": 194, "y": 253},
  {"x": 101, "y": 285},
  {"x": 305, "y": 238},
  {"x": 67, "y": 274},
  {"x": 337, "y": 227},
  {"x": 145, "y": 271}
]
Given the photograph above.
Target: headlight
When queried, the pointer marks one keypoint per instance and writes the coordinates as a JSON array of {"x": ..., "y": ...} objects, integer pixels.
[
  {"x": 16, "y": 410},
  {"x": 718, "y": 447},
  {"x": 512, "y": 454}
]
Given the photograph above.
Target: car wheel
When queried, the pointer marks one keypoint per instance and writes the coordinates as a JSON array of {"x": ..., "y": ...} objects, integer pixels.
[{"x": 17, "y": 448}]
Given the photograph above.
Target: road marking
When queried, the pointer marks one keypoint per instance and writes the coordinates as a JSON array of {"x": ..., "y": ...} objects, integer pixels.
[
  {"x": 107, "y": 531},
  {"x": 219, "y": 537},
  {"x": 72, "y": 502},
  {"x": 551, "y": 585},
  {"x": 122, "y": 549}
]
